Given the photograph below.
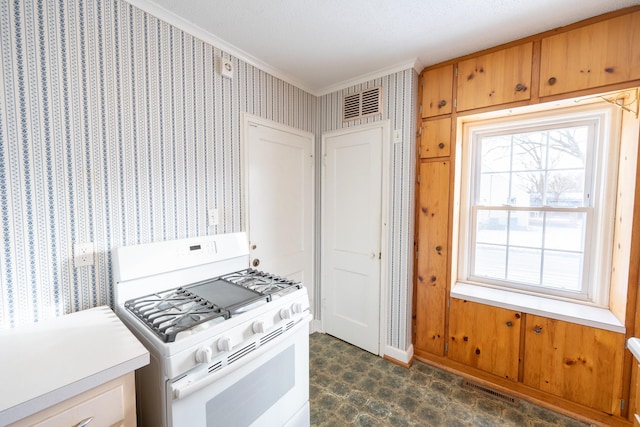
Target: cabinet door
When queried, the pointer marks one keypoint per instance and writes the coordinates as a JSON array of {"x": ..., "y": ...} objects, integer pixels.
[
  {"x": 600, "y": 54},
  {"x": 485, "y": 337},
  {"x": 496, "y": 78},
  {"x": 437, "y": 91},
  {"x": 435, "y": 140},
  {"x": 431, "y": 286},
  {"x": 579, "y": 363}
]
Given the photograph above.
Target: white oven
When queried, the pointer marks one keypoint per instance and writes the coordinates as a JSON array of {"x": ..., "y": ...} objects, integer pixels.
[{"x": 229, "y": 345}]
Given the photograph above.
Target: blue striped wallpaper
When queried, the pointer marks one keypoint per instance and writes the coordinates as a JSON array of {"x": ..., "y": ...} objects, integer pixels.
[{"x": 115, "y": 128}]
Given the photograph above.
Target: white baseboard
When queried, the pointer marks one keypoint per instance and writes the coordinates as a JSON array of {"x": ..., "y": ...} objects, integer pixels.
[
  {"x": 315, "y": 326},
  {"x": 404, "y": 356}
]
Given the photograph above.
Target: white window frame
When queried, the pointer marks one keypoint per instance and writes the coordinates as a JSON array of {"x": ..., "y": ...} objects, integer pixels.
[{"x": 599, "y": 242}]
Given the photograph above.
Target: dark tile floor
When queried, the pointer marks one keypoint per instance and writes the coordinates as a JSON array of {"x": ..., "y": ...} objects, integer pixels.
[{"x": 350, "y": 386}]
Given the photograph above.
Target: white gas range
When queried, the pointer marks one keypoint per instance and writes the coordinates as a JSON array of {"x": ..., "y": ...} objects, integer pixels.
[{"x": 229, "y": 345}]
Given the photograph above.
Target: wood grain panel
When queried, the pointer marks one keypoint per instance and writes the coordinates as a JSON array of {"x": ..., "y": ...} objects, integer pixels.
[
  {"x": 579, "y": 363},
  {"x": 496, "y": 78},
  {"x": 437, "y": 91},
  {"x": 485, "y": 337},
  {"x": 596, "y": 55},
  {"x": 435, "y": 140},
  {"x": 431, "y": 286}
]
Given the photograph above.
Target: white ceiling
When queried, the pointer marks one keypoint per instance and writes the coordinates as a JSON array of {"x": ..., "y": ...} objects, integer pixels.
[{"x": 324, "y": 45}]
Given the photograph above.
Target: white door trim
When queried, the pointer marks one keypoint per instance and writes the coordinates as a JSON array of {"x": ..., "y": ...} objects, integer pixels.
[
  {"x": 385, "y": 125},
  {"x": 248, "y": 120}
]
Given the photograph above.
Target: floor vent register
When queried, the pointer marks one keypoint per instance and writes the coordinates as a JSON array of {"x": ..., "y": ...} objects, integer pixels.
[{"x": 490, "y": 392}]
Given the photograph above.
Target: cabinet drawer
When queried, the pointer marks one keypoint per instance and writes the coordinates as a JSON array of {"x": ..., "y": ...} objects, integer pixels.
[
  {"x": 110, "y": 404},
  {"x": 435, "y": 140},
  {"x": 437, "y": 91},
  {"x": 600, "y": 54},
  {"x": 106, "y": 409},
  {"x": 496, "y": 78}
]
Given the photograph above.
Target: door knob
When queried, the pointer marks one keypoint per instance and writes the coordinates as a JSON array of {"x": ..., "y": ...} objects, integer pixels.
[
  {"x": 256, "y": 262},
  {"x": 373, "y": 255}
]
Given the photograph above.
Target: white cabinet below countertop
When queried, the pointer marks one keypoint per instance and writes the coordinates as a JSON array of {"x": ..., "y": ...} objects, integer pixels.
[{"x": 89, "y": 353}]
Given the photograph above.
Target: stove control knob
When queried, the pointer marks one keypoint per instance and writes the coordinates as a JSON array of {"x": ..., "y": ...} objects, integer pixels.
[
  {"x": 296, "y": 308},
  {"x": 203, "y": 355},
  {"x": 224, "y": 344},
  {"x": 285, "y": 314},
  {"x": 258, "y": 327}
]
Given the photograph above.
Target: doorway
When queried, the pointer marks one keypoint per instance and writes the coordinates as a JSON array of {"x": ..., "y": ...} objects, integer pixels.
[{"x": 354, "y": 228}]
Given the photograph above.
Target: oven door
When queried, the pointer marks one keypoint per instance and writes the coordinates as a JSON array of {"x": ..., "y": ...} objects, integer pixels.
[{"x": 267, "y": 387}]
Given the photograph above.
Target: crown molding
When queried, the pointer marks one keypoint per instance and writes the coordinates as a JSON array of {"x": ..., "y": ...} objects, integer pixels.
[
  {"x": 179, "y": 22},
  {"x": 189, "y": 27},
  {"x": 414, "y": 64}
]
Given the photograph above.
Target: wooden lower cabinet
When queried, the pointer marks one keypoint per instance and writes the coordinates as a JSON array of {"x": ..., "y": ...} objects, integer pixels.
[
  {"x": 431, "y": 283},
  {"x": 579, "y": 363},
  {"x": 485, "y": 337}
]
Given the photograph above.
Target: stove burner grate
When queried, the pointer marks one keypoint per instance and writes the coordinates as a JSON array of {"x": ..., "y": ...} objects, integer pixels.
[
  {"x": 171, "y": 312},
  {"x": 181, "y": 309}
]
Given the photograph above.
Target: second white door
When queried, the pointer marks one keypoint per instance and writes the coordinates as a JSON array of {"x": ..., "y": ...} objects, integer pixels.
[{"x": 351, "y": 234}]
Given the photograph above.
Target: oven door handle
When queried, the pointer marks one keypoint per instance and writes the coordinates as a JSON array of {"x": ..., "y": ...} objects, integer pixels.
[{"x": 186, "y": 386}]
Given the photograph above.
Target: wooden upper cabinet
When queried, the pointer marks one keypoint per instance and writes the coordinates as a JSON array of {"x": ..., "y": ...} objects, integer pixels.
[
  {"x": 485, "y": 337},
  {"x": 600, "y": 54},
  {"x": 435, "y": 140},
  {"x": 437, "y": 91},
  {"x": 579, "y": 363},
  {"x": 496, "y": 78}
]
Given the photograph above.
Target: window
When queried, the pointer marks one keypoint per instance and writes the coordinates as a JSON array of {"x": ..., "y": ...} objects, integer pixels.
[{"x": 537, "y": 203}]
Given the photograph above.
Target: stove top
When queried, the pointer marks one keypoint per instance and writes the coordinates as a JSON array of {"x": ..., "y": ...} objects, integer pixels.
[{"x": 182, "y": 309}]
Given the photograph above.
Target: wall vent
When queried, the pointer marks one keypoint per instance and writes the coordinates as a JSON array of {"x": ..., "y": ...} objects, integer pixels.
[
  {"x": 490, "y": 392},
  {"x": 362, "y": 104}
]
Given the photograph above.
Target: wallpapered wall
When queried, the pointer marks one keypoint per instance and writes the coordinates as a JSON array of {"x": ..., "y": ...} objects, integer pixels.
[{"x": 115, "y": 128}]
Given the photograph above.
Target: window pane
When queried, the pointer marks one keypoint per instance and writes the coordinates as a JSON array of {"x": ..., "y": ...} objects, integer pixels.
[
  {"x": 565, "y": 188},
  {"x": 491, "y": 227},
  {"x": 529, "y": 151},
  {"x": 490, "y": 261},
  {"x": 565, "y": 231},
  {"x": 527, "y": 189},
  {"x": 526, "y": 229},
  {"x": 524, "y": 265},
  {"x": 562, "y": 270},
  {"x": 494, "y": 189},
  {"x": 496, "y": 153},
  {"x": 568, "y": 147}
]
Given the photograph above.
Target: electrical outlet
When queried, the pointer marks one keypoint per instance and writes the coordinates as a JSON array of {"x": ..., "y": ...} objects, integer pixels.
[
  {"x": 213, "y": 217},
  {"x": 83, "y": 254}
]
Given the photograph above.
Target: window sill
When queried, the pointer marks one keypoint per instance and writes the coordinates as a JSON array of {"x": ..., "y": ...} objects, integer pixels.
[{"x": 546, "y": 307}]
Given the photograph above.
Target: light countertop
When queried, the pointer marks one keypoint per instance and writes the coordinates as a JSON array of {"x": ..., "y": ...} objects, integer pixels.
[
  {"x": 633, "y": 344},
  {"x": 49, "y": 362}
]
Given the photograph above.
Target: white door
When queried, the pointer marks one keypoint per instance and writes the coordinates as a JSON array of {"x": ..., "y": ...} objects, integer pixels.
[
  {"x": 279, "y": 194},
  {"x": 351, "y": 234}
]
